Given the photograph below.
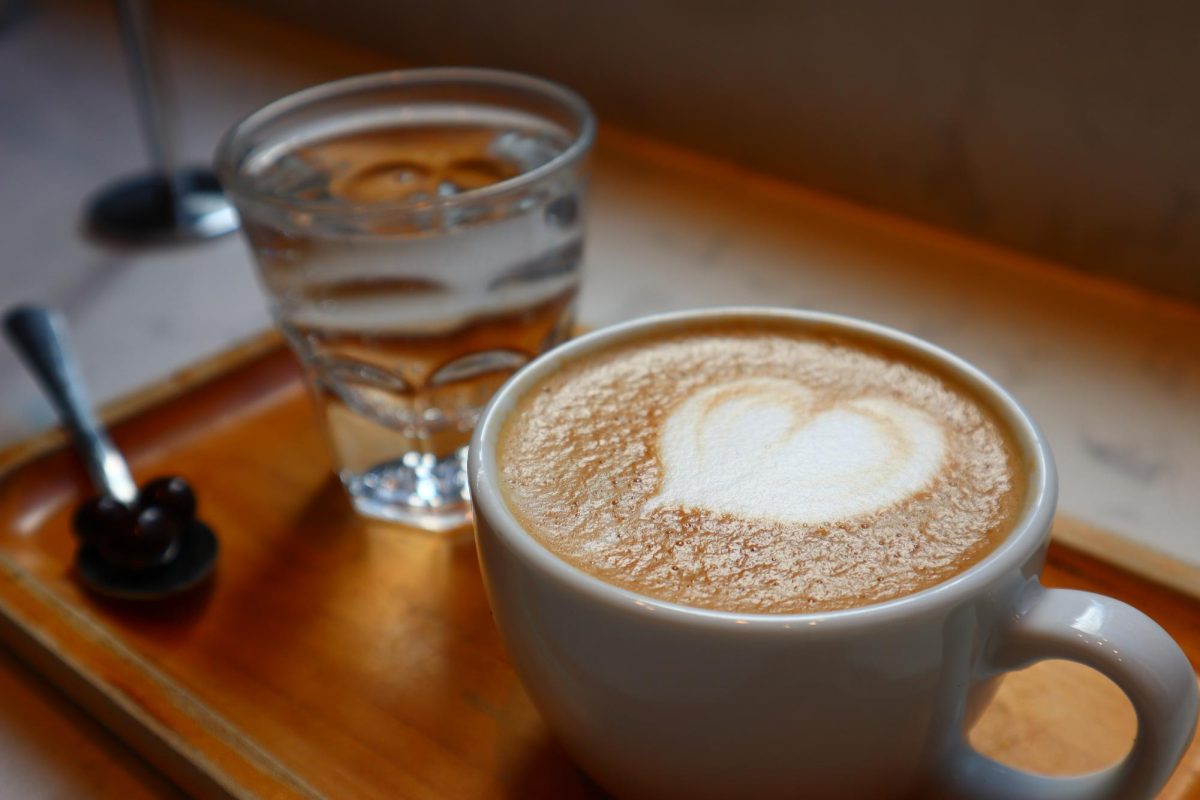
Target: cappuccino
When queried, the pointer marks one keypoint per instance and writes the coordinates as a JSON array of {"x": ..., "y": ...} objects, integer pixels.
[{"x": 760, "y": 467}]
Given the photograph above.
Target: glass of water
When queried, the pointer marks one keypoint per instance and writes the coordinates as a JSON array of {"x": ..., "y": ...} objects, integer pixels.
[{"x": 419, "y": 236}]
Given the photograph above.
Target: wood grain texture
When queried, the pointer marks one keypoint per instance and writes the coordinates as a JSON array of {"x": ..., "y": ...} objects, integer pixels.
[
  {"x": 339, "y": 658},
  {"x": 51, "y": 750}
]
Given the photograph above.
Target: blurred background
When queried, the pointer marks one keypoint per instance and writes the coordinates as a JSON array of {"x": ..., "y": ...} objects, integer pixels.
[
  {"x": 1064, "y": 129},
  {"x": 1019, "y": 183}
]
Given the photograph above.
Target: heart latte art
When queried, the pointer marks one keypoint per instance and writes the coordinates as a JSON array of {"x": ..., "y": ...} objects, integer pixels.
[
  {"x": 767, "y": 448},
  {"x": 759, "y": 467}
]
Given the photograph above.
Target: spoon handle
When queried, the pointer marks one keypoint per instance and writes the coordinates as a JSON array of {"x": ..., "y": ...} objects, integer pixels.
[{"x": 40, "y": 338}]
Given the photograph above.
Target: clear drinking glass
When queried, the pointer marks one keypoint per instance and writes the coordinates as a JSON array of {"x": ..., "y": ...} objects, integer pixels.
[{"x": 419, "y": 236}]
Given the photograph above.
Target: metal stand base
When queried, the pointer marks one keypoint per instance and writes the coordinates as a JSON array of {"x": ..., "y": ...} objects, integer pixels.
[{"x": 154, "y": 208}]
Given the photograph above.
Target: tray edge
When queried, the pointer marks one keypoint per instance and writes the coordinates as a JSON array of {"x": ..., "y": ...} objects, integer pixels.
[{"x": 227, "y": 765}]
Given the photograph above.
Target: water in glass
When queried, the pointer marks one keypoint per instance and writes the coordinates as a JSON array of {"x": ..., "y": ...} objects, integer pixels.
[{"x": 408, "y": 288}]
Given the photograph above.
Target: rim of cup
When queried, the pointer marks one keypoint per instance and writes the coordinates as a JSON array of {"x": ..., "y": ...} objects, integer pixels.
[{"x": 1027, "y": 535}]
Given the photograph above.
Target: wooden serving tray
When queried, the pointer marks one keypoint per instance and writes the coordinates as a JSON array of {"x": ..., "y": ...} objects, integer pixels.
[{"x": 333, "y": 657}]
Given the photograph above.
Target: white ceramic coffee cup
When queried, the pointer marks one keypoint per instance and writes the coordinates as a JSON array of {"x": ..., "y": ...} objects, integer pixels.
[{"x": 658, "y": 700}]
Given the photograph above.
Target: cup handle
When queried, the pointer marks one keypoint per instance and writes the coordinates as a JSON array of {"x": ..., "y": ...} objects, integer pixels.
[{"x": 1123, "y": 644}]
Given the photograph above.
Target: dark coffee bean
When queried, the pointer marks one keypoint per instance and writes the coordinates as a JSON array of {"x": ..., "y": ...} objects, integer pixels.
[
  {"x": 98, "y": 520},
  {"x": 152, "y": 539},
  {"x": 172, "y": 494}
]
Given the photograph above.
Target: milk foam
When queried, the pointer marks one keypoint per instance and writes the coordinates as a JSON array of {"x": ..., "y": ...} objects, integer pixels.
[
  {"x": 760, "y": 468},
  {"x": 767, "y": 449}
]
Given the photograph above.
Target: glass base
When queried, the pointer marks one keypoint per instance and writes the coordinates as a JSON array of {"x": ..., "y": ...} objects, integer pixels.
[
  {"x": 419, "y": 489},
  {"x": 186, "y": 206}
]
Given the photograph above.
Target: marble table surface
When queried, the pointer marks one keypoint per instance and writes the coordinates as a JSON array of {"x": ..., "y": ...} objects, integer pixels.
[{"x": 1111, "y": 373}]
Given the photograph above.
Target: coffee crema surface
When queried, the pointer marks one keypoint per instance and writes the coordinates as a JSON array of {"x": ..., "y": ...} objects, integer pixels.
[{"x": 760, "y": 467}]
